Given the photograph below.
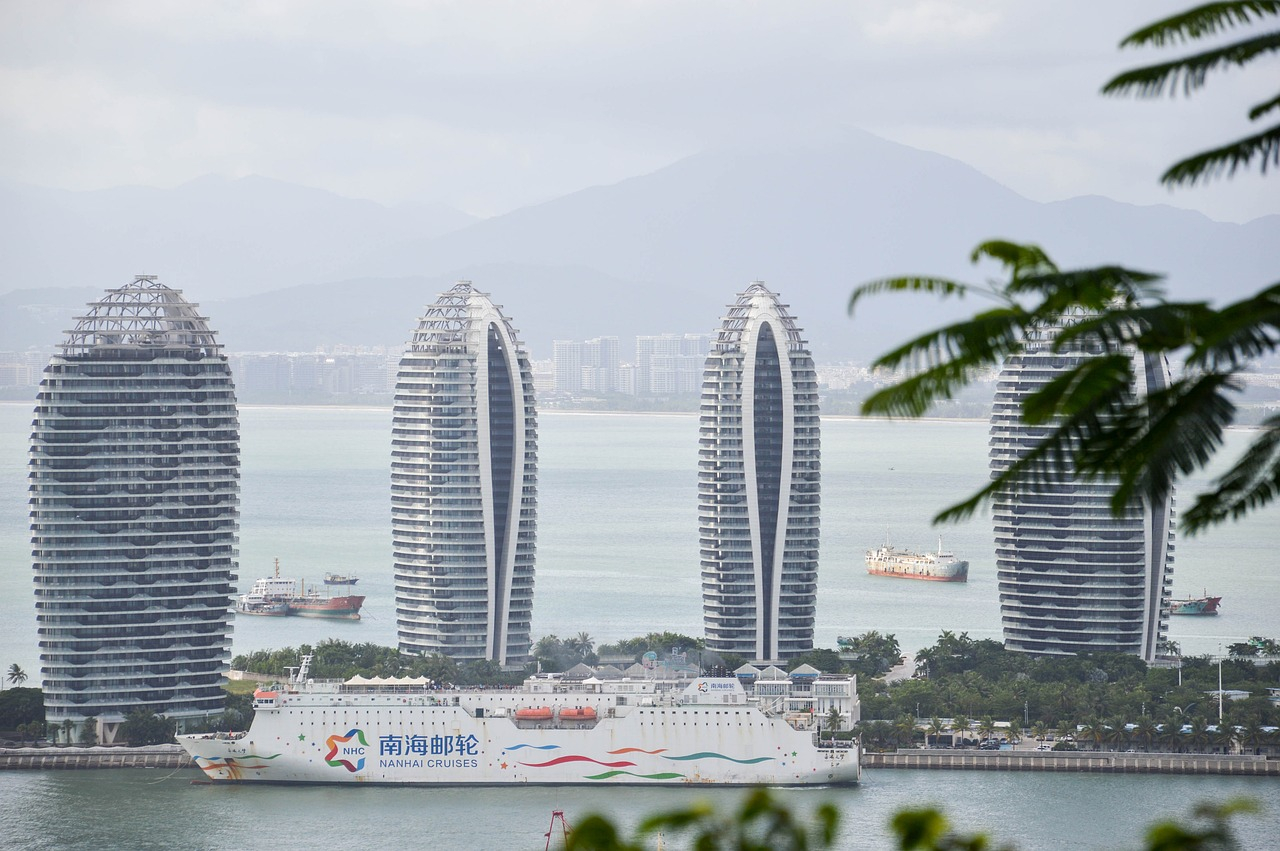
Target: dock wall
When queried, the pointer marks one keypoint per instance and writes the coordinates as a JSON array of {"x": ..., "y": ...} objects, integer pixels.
[
  {"x": 155, "y": 756},
  {"x": 1095, "y": 761}
]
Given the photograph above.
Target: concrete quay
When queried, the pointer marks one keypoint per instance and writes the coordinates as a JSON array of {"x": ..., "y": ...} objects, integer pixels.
[
  {"x": 1095, "y": 761},
  {"x": 154, "y": 756}
]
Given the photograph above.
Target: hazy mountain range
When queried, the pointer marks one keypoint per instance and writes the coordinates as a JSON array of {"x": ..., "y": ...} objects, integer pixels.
[{"x": 284, "y": 267}]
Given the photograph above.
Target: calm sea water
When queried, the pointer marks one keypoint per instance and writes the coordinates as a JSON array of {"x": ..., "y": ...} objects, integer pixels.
[
  {"x": 141, "y": 809},
  {"x": 617, "y": 557}
]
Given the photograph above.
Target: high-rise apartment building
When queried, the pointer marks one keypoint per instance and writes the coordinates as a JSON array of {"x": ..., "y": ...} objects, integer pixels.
[
  {"x": 758, "y": 484},
  {"x": 1073, "y": 578},
  {"x": 134, "y": 506},
  {"x": 464, "y": 484}
]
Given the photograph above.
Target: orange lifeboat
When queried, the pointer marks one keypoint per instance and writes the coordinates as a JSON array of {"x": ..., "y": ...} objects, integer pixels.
[
  {"x": 578, "y": 713},
  {"x": 534, "y": 713},
  {"x": 262, "y": 694}
]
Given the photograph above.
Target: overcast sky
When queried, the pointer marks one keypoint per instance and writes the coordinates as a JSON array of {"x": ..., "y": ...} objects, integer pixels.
[{"x": 489, "y": 106}]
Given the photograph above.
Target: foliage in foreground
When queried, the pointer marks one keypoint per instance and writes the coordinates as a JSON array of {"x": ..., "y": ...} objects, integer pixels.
[
  {"x": 762, "y": 823},
  {"x": 1097, "y": 429}
]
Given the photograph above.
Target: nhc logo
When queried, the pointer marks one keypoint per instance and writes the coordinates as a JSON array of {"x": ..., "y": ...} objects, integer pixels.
[{"x": 338, "y": 745}]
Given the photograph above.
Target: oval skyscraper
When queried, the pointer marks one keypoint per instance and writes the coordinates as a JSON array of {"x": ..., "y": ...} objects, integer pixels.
[
  {"x": 464, "y": 484},
  {"x": 1074, "y": 578},
  {"x": 134, "y": 506},
  {"x": 758, "y": 484}
]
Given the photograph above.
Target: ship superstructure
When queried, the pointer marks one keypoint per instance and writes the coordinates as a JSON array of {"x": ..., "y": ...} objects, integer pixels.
[{"x": 549, "y": 732}]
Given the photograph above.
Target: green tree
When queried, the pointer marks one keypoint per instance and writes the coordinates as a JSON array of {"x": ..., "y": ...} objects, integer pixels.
[
  {"x": 144, "y": 727},
  {"x": 834, "y": 720},
  {"x": 934, "y": 731},
  {"x": 68, "y": 727},
  {"x": 959, "y": 730},
  {"x": 16, "y": 675},
  {"x": 1094, "y": 425},
  {"x": 89, "y": 731}
]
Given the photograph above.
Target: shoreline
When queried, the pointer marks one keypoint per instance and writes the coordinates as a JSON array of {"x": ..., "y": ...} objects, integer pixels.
[
  {"x": 1100, "y": 762},
  {"x": 1103, "y": 762}
]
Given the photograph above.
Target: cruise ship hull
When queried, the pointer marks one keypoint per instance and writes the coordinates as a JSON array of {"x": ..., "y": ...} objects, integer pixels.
[{"x": 475, "y": 738}]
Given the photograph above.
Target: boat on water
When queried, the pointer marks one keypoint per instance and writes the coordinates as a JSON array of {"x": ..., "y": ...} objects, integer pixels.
[
  {"x": 1205, "y": 605},
  {"x": 276, "y": 596},
  {"x": 942, "y": 566},
  {"x": 549, "y": 732},
  {"x": 341, "y": 579}
]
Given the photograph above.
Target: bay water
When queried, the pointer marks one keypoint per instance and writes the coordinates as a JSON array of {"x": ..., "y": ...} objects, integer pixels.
[{"x": 617, "y": 557}]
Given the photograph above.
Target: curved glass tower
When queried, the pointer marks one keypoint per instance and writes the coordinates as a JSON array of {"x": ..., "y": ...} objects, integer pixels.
[
  {"x": 464, "y": 489},
  {"x": 758, "y": 484},
  {"x": 1073, "y": 578},
  {"x": 134, "y": 506}
]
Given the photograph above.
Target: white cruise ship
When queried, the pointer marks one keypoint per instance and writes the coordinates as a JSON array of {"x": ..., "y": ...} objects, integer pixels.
[{"x": 548, "y": 732}]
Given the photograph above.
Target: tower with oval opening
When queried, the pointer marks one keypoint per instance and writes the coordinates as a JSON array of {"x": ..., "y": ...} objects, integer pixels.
[
  {"x": 464, "y": 484},
  {"x": 758, "y": 483}
]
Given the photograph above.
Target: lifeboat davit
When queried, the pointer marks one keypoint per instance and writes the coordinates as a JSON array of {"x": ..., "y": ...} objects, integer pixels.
[
  {"x": 534, "y": 713},
  {"x": 578, "y": 712}
]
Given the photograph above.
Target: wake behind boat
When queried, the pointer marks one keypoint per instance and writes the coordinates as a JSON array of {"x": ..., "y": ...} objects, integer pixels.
[
  {"x": 552, "y": 731},
  {"x": 941, "y": 566}
]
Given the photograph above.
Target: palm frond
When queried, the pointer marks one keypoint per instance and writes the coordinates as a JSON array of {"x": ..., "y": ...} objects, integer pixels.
[
  {"x": 1019, "y": 259},
  {"x": 1224, "y": 339},
  {"x": 1264, "y": 107},
  {"x": 1252, "y": 482},
  {"x": 1150, "y": 80},
  {"x": 1094, "y": 384},
  {"x": 1173, "y": 431},
  {"x": 1201, "y": 21},
  {"x": 1226, "y": 159},
  {"x": 938, "y": 286},
  {"x": 1094, "y": 289}
]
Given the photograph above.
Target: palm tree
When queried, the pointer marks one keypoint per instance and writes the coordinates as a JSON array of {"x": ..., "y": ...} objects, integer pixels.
[
  {"x": 1015, "y": 733},
  {"x": 1198, "y": 737},
  {"x": 1145, "y": 732},
  {"x": 1117, "y": 733},
  {"x": 935, "y": 729},
  {"x": 1039, "y": 731},
  {"x": 905, "y": 730},
  {"x": 16, "y": 675},
  {"x": 959, "y": 730},
  {"x": 68, "y": 727},
  {"x": 1095, "y": 427},
  {"x": 1065, "y": 729},
  {"x": 1226, "y": 737},
  {"x": 1094, "y": 731},
  {"x": 987, "y": 727}
]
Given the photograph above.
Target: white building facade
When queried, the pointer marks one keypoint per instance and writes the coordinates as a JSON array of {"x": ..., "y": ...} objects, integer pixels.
[
  {"x": 464, "y": 484},
  {"x": 758, "y": 484},
  {"x": 1073, "y": 578},
  {"x": 134, "y": 472}
]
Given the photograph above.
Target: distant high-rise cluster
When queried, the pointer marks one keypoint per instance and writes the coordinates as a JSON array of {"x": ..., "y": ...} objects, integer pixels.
[
  {"x": 670, "y": 364},
  {"x": 464, "y": 484},
  {"x": 1073, "y": 578},
  {"x": 592, "y": 366},
  {"x": 758, "y": 484},
  {"x": 134, "y": 507}
]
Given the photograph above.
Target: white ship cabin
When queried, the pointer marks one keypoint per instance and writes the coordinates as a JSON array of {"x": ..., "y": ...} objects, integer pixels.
[
  {"x": 804, "y": 697},
  {"x": 271, "y": 588}
]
